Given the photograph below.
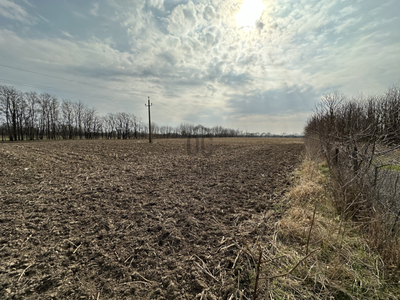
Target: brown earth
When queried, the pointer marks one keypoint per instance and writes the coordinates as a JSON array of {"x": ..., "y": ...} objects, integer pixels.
[{"x": 131, "y": 220}]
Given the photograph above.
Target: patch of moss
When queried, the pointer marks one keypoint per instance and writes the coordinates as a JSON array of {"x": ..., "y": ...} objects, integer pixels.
[{"x": 395, "y": 168}]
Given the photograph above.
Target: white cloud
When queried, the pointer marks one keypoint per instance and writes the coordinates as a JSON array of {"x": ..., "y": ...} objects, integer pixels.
[
  {"x": 28, "y": 3},
  {"x": 11, "y": 10},
  {"x": 95, "y": 9},
  {"x": 346, "y": 25},
  {"x": 67, "y": 34},
  {"x": 209, "y": 13},
  {"x": 78, "y": 14},
  {"x": 194, "y": 50},
  {"x": 377, "y": 23},
  {"x": 182, "y": 19},
  {"x": 276, "y": 124},
  {"x": 43, "y": 19},
  {"x": 347, "y": 11},
  {"x": 156, "y": 3}
]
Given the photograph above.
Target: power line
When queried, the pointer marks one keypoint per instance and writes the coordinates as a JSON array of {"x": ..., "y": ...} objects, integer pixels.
[
  {"x": 51, "y": 76},
  {"x": 167, "y": 111},
  {"x": 54, "y": 89},
  {"x": 159, "y": 105},
  {"x": 165, "y": 108},
  {"x": 169, "y": 116},
  {"x": 174, "y": 110},
  {"x": 65, "y": 90},
  {"x": 69, "y": 80}
]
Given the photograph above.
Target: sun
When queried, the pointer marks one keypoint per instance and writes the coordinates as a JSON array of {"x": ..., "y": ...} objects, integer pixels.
[{"x": 249, "y": 13}]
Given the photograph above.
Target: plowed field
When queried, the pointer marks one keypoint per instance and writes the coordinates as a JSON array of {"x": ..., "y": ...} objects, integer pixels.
[{"x": 132, "y": 220}]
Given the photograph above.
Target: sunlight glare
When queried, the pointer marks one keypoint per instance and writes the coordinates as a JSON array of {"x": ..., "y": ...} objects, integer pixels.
[{"x": 249, "y": 13}]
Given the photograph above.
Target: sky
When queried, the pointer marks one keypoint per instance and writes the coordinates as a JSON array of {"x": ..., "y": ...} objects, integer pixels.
[{"x": 255, "y": 65}]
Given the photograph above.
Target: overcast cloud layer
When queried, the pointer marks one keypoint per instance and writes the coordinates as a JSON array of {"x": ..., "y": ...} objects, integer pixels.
[{"x": 197, "y": 60}]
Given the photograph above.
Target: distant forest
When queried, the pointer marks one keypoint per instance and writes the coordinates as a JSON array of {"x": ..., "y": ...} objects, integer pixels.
[{"x": 33, "y": 116}]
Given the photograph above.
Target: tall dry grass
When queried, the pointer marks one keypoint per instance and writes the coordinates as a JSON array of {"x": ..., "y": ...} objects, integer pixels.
[{"x": 315, "y": 254}]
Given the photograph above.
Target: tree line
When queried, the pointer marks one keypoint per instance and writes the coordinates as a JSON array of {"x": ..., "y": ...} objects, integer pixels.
[
  {"x": 359, "y": 138},
  {"x": 33, "y": 116},
  {"x": 368, "y": 118}
]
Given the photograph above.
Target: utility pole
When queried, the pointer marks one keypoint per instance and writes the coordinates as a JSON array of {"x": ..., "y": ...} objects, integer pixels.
[{"x": 148, "y": 105}]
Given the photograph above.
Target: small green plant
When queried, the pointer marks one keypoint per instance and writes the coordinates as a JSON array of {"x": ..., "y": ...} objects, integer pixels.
[
  {"x": 279, "y": 207},
  {"x": 324, "y": 169},
  {"x": 395, "y": 168}
]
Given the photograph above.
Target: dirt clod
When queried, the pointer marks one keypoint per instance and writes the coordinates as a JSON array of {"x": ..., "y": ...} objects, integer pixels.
[{"x": 149, "y": 222}]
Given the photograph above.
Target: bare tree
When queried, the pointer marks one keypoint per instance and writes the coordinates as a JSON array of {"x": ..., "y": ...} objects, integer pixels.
[
  {"x": 359, "y": 138},
  {"x": 32, "y": 101},
  {"x": 67, "y": 112},
  {"x": 11, "y": 105},
  {"x": 29, "y": 115},
  {"x": 53, "y": 115}
]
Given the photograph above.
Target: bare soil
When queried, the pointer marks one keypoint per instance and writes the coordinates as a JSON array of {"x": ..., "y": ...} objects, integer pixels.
[{"x": 131, "y": 220}]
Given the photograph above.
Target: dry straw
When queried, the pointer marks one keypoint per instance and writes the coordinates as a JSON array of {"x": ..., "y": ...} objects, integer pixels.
[{"x": 313, "y": 254}]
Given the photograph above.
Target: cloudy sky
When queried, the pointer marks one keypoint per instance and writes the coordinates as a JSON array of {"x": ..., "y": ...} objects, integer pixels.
[{"x": 257, "y": 65}]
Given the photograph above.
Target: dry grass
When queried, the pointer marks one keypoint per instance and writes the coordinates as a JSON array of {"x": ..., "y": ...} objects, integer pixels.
[{"x": 335, "y": 260}]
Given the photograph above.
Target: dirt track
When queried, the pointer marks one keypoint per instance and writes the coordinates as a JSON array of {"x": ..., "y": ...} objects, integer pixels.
[{"x": 130, "y": 220}]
